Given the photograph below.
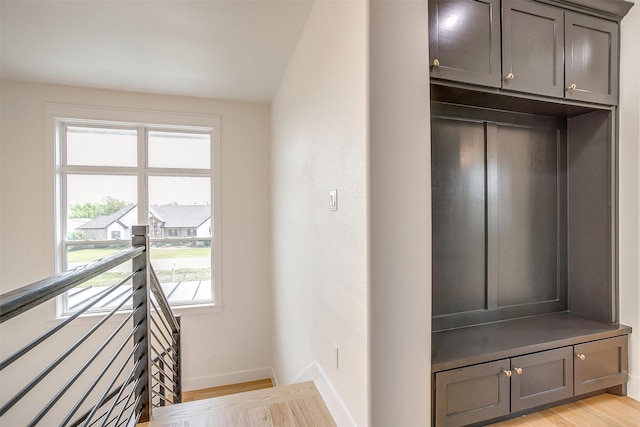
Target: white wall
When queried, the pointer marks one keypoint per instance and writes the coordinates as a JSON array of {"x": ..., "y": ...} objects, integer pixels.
[
  {"x": 319, "y": 143},
  {"x": 629, "y": 193},
  {"x": 239, "y": 338},
  {"x": 400, "y": 214},
  {"x": 1, "y": 150}
]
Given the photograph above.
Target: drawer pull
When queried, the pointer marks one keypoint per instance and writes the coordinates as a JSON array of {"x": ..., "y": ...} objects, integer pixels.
[
  {"x": 572, "y": 87},
  {"x": 581, "y": 356},
  {"x": 435, "y": 63},
  {"x": 509, "y": 76},
  {"x": 507, "y": 373},
  {"x": 519, "y": 371}
]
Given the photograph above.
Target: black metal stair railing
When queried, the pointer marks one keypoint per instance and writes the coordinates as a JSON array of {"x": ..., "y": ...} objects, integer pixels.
[{"x": 123, "y": 366}]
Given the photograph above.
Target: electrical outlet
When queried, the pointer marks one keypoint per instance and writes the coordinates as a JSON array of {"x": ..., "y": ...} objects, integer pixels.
[{"x": 335, "y": 355}]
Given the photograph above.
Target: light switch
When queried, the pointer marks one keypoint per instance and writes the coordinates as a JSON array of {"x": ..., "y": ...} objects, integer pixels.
[{"x": 333, "y": 200}]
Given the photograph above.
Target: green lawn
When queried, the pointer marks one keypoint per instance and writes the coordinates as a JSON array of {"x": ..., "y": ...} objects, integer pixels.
[
  {"x": 89, "y": 255},
  {"x": 179, "y": 275},
  {"x": 174, "y": 252}
]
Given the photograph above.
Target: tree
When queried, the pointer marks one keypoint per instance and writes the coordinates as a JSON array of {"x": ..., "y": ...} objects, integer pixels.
[
  {"x": 78, "y": 235},
  {"x": 108, "y": 206}
]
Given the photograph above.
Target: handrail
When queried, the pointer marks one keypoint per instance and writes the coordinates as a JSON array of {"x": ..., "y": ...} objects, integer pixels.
[
  {"x": 136, "y": 372},
  {"x": 22, "y": 299}
]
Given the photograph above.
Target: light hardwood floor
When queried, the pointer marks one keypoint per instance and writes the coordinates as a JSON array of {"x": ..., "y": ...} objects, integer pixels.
[
  {"x": 301, "y": 405},
  {"x": 207, "y": 393},
  {"x": 605, "y": 410},
  {"x": 293, "y": 405}
]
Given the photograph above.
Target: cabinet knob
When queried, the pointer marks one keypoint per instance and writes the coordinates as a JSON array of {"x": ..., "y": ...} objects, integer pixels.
[
  {"x": 509, "y": 76},
  {"x": 519, "y": 371},
  {"x": 581, "y": 356},
  {"x": 572, "y": 87},
  {"x": 507, "y": 373},
  {"x": 435, "y": 63}
]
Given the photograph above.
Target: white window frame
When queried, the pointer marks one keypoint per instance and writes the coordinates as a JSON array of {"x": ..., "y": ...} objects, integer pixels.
[{"x": 58, "y": 116}]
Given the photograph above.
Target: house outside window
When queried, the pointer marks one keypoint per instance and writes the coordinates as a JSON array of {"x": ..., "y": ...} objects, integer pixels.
[{"x": 105, "y": 170}]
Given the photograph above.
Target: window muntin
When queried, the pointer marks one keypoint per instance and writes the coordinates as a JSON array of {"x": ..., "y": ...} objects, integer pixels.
[{"x": 101, "y": 202}]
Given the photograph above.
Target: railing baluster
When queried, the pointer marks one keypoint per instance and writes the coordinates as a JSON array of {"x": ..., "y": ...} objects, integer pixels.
[
  {"x": 69, "y": 383},
  {"x": 18, "y": 354},
  {"x": 100, "y": 375},
  {"x": 162, "y": 319},
  {"x": 141, "y": 317},
  {"x": 55, "y": 363},
  {"x": 161, "y": 379},
  {"x": 177, "y": 364},
  {"x": 126, "y": 385}
]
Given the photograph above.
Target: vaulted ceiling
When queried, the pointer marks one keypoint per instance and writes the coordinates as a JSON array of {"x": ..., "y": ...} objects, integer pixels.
[{"x": 235, "y": 49}]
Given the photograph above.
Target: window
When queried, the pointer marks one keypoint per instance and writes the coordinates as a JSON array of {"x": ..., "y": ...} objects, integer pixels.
[{"x": 113, "y": 175}]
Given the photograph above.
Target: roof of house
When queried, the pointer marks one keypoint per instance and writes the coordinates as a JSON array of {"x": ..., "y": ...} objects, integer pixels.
[
  {"x": 182, "y": 216},
  {"x": 106, "y": 220},
  {"x": 171, "y": 216}
]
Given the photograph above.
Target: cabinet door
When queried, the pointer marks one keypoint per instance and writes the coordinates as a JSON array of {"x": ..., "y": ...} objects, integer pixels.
[
  {"x": 532, "y": 48},
  {"x": 472, "y": 394},
  {"x": 591, "y": 57},
  {"x": 600, "y": 364},
  {"x": 541, "y": 378},
  {"x": 464, "y": 38}
]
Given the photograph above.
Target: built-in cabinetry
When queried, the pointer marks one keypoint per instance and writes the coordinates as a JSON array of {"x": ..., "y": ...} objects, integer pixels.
[
  {"x": 524, "y": 209},
  {"x": 536, "y": 47},
  {"x": 472, "y": 394}
]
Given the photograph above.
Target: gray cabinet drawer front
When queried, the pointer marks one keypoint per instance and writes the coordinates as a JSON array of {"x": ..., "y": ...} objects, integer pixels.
[
  {"x": 472, "y": 394},
  {"x": 546, "y": 377},
  {"x": 605, "y": 364}
]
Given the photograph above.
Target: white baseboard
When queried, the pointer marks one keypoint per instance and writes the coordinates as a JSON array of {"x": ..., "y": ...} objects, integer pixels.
[
  {"x": 199, "y": 383},
  {"x": 633, "y": 387},
  {"x": 337, "y": 408}
]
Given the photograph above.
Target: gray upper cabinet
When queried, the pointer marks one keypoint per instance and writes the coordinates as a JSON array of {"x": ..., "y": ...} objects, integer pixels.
[
  {"x": 591, "y": 59},
  {"x": 464, "y": 41},
  {"x": 532, "y": 48},
  {"x": 536, "y": 48}
]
